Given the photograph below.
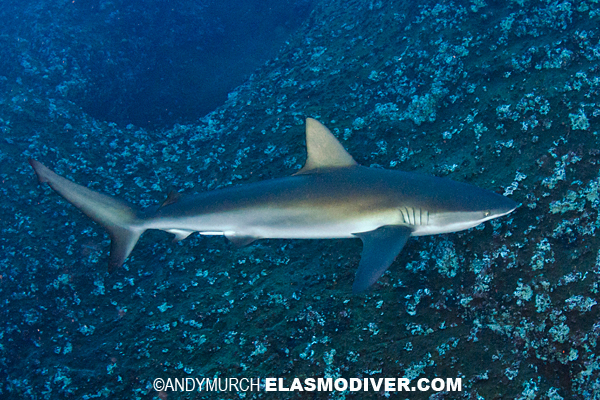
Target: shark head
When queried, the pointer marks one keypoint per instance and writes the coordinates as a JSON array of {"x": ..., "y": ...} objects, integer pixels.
[{"x": 466, "y": 206}]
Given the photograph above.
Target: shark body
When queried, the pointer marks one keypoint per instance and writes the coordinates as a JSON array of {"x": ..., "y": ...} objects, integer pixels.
[{"x": 330, "y": 197}]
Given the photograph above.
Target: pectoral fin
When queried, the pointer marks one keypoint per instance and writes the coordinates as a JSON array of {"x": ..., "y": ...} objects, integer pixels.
[{"x": 380, "y": 248}]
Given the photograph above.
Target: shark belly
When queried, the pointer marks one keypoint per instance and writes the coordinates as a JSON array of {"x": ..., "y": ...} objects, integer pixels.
[
  {"x": 277, "y": 223},
  {"x": 319, "y": 206}
]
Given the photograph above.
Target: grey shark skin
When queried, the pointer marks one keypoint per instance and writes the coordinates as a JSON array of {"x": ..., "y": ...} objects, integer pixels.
[{"x": 330, "y": 197}]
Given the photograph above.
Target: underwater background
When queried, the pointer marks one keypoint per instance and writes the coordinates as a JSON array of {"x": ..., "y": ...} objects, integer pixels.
[{"x": 130, "y": 98}]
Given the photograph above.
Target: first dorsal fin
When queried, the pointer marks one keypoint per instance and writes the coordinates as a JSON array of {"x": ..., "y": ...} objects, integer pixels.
[{"x": 323, "y": 150}]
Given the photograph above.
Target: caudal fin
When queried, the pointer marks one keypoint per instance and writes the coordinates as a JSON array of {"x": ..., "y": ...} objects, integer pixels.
[{"x": 118, "y": 217}]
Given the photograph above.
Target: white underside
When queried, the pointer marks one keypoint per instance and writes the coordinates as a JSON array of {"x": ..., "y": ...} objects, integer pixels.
[
  {"x": 272, "y": 225},
  {"x": 286, "y": 224}
]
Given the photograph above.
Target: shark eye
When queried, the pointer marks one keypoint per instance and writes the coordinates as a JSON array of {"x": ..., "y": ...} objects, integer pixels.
[{"x": 486, "y": 213}]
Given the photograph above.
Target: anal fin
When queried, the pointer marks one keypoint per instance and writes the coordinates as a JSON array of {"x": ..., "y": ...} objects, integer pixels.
[
  {"x": 180, "y": 234},
  {"x": 380, "y": 248}
]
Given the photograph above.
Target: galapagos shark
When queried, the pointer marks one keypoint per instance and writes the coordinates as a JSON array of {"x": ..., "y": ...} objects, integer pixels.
[{"x": 330, "y": 197}]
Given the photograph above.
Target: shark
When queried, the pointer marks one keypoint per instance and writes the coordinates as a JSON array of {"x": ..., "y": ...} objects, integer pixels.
[{"x": 332, "y": 196}]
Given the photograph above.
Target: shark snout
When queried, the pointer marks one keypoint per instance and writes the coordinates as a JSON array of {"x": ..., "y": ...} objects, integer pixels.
[{"x": 504, "y": 206}]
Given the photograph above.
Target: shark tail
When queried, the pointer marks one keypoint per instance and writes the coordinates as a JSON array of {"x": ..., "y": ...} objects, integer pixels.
[{"x": 122, "y": 221}]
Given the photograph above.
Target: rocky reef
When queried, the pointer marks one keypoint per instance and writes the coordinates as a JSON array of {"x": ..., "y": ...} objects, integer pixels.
[{"x": 502, "y": 95}]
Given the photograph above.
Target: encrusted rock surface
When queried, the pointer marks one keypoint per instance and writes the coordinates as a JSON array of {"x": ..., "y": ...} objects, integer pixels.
[{"x": 500, "y": 95}]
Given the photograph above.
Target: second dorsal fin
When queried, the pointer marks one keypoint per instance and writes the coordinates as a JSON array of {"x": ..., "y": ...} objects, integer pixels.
[
  {"x": 173, "y": 196},
  {"x": 323, "y": 150}
]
